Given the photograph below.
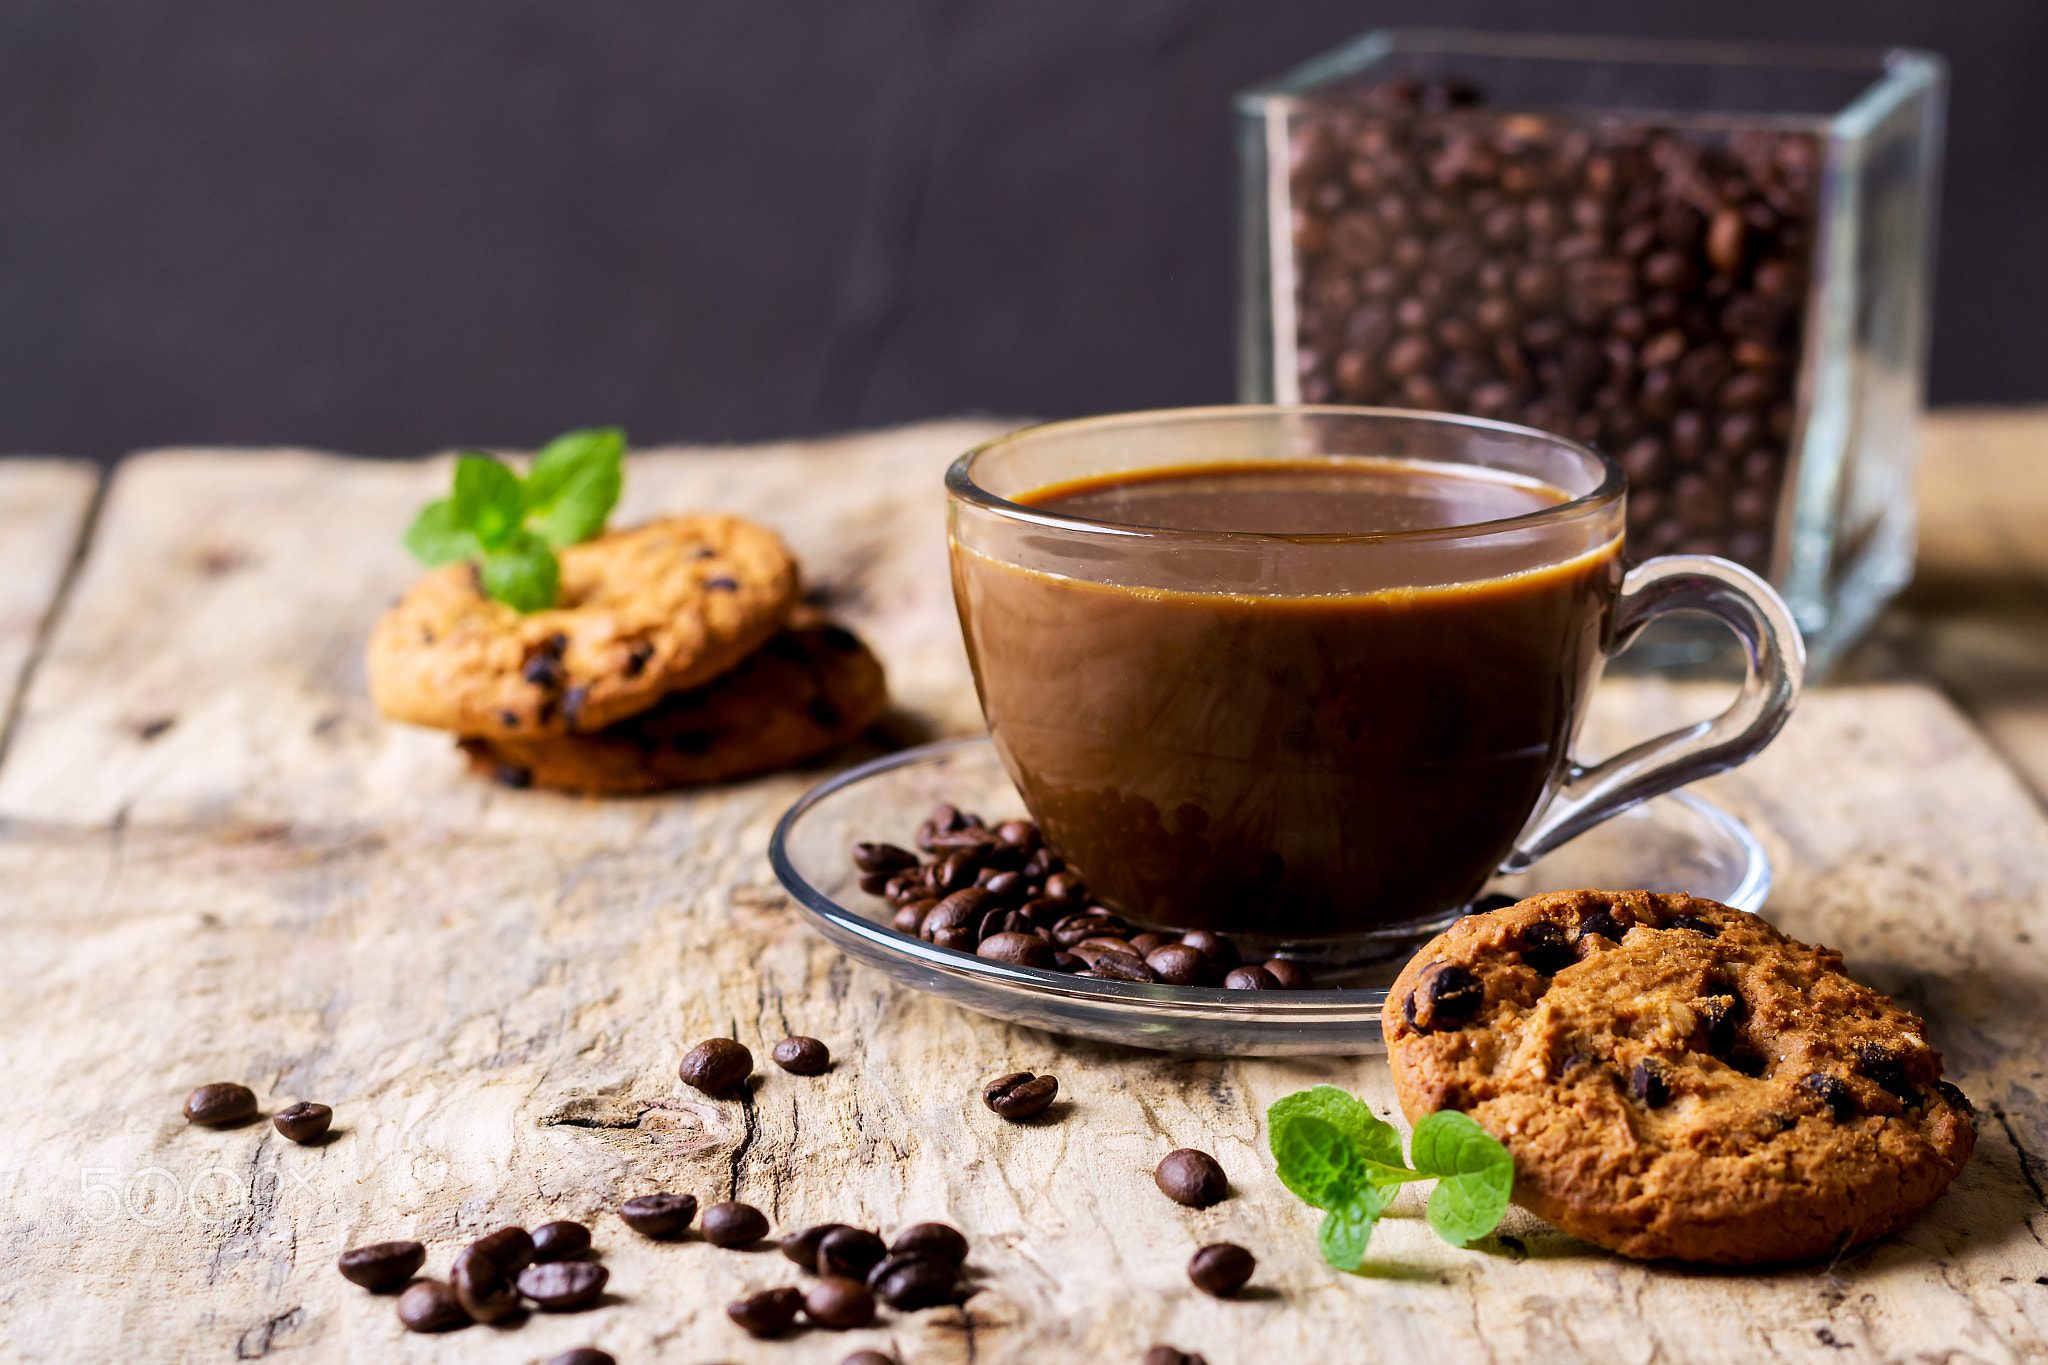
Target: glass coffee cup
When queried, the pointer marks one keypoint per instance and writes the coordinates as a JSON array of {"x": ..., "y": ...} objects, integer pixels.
[{"x": 1309, "y": 676}]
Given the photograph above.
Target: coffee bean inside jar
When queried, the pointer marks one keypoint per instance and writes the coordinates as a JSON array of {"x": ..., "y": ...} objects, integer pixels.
[{"x": 1638, "y": 288}]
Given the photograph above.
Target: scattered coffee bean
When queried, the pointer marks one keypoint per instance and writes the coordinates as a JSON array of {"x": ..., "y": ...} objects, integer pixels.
[
  {"x": 1221, "y": 1268},
  {"x": 1167, "y": 1355},
  {"x": 802, "y": 1247},
  {"x": 1192, "y": 1178},
  {"x": 1220, "y": 951},
  {"x": 382, "y": 1265},
  {"x": 1288, "y": 974},
  {"x": 883, "y": 858},
  {"x": 558, "y": 1241},
  {"x": 484, "y": 1288},
  {"x": 509, "y": 1249},
  {"x": 1019, "y": 950},
  {"x": 930, "y": 1239},
  {"x": 1249, "y": 979},
  {"x": 839, "y": 1303},
  {"x": 221, "y": 1105},
  {"x": 583, "y": 1355},
  {"x": 1020, "y": 1095},
  {"x": 1179, "y": 965},
  {"x": 733, "y": 1224},
  {"x": 849, "y": 1252},
  {"x": 563, "y": 1286},
  {"x": 303, "y": 1122},
  {"x": 1145, "y": 944},
  {"x": 659, "y": 1215},
  {"x": 431, "y": 1306},
  {"x": 768, "y": 1313},
  {"x": 801, "y": 1056},
  {"x": 716, "y": 1065},
  {"x": 910, "y": 1282}
]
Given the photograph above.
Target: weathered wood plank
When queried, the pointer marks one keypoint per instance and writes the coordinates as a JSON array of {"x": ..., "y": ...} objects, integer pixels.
[
  {"x": 493, "y": 989},
  {"x": 210, "y": 663},
  {"x": 43, "y": 504}
]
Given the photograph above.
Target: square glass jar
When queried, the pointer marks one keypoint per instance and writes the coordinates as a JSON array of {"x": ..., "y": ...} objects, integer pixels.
[{"x": 1710, "y": 260}]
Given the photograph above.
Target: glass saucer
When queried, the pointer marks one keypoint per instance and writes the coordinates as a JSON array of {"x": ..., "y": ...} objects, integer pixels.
[{"x": 1680, "y": 842}]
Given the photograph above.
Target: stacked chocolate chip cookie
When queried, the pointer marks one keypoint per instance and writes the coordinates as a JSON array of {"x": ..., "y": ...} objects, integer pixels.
[{"x": 676, "y": 655}]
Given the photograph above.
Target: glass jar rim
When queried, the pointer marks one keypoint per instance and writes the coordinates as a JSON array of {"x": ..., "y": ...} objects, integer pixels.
[{"x": 1613, "y": 483}]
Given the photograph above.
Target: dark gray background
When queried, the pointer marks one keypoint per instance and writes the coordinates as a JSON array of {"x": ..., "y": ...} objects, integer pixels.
[{"x": 388, "y": 226}]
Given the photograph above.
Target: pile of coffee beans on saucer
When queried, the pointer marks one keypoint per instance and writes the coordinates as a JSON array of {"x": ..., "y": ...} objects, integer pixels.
[{"x": 999, "y": 892}]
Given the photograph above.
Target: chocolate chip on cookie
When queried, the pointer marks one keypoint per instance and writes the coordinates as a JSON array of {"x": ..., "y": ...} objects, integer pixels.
[
  {"x": 796, "y": 698},
  {"x": 1678, "y": 1079},
  {"x": 640, "y": 613}
]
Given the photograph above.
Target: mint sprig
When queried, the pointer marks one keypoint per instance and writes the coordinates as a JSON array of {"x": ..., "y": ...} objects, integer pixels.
[
  {"x": 509, "y": 527},
  {"x": 1335, "y": 1154}
]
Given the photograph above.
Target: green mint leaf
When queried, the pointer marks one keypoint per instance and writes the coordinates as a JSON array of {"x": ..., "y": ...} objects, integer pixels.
[
  {"x": 488, "y": 500},
  {"x": 436, "y": 538},
  {"x": 1475, "y": 1175},
  {"x": 522, "y": 573},
  {"x": 1318, "y": 1162},
  {"x": 573, "y": 483},
  {"x": 1348, "y": 1228},
  {"x": 1377, "y": 1141}
]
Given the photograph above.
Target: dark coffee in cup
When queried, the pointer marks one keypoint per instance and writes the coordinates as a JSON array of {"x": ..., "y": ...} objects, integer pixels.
[
  {"x": 1299, "y": 761},
  {"x": 1312, "y": 675}
]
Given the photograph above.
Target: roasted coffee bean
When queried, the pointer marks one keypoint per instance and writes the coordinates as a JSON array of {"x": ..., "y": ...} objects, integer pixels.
[
  {"x": 1831, "y": 1092},
  {"x": 483, "y": 1288},
  {"x": 1600, "y": 924},
  {"x": 1006, "y": 886},
  {"x": 659, "y": 1215},
  {"x": 559, "y": 1240},
  {"x": 733, "y": 1224},
  {"x": 1091, "y": 924},
  {"x": 382, "y": 1265},
  {"x": 1179, "y": 965},
  {"x": 801, "y": 1056},
  {"x": 1249, "y": 979},
  {"x": 221, "y": 1105},
  {"x": 801, "y": 1247},
  {"x": 1287, "y": 974},
  {"x": 1221, "y": 1268},
  {"x": 768, "y": 1313},
  {"x": 510, "y": 1249},
  {"x": 1066, "y": 962},
  {"x": 1007, "y": 922},
  {"x": 584, "y": 1355},
  {"x": 839, "y": 1303},
  {"x": 1019, "y": 950},
  {"x": 303, "y": 1122},
  {"x": 1647, "y": 1086},
  {"x": 883, "y": 858},
  {"x": 1192, "y": 1178},
  {"x": 563, "y": 1286},
  {"x": 850, "y": 1252},
  {"x": 910, "y": 1282},
  {"x": 939, "y": 1240},
  {"x": 431, "y": 1306},
  {"x": 1220, "y": 951},
  {"x": 1544, "y": 948},
  {"x": 1167, "y": 1355},
  {"x": 1103, "y": 943},
  {"x": 909, "y": 919},
  {"x": 716, "y": 1065},
  {"x": 1020, "y": 1095},
  {"x": 1066, "y": 886},
  {"x": 962, "y": 910},
  {"x": 1144, "y": 944},
  {"x": 956, "y": 872},
  {"x": 1112, "y": 965}
]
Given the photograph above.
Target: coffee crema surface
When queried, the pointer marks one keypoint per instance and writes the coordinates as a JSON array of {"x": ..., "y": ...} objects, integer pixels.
[{"x": 1301, "y": 762}]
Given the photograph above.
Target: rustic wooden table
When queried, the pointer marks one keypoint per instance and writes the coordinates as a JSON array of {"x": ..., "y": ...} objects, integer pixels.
[{"x": 217, "y": 862}]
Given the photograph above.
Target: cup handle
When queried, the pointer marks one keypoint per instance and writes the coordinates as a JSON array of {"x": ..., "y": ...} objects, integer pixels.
[{"x": 1776, "y": 666}]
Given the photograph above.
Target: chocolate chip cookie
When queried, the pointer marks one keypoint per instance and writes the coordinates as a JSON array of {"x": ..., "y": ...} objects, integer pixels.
[
  {"x": 809, "y": 690},
  {"x": 641, "y": 613},
  {"x": 1678, "y": 1079}
]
